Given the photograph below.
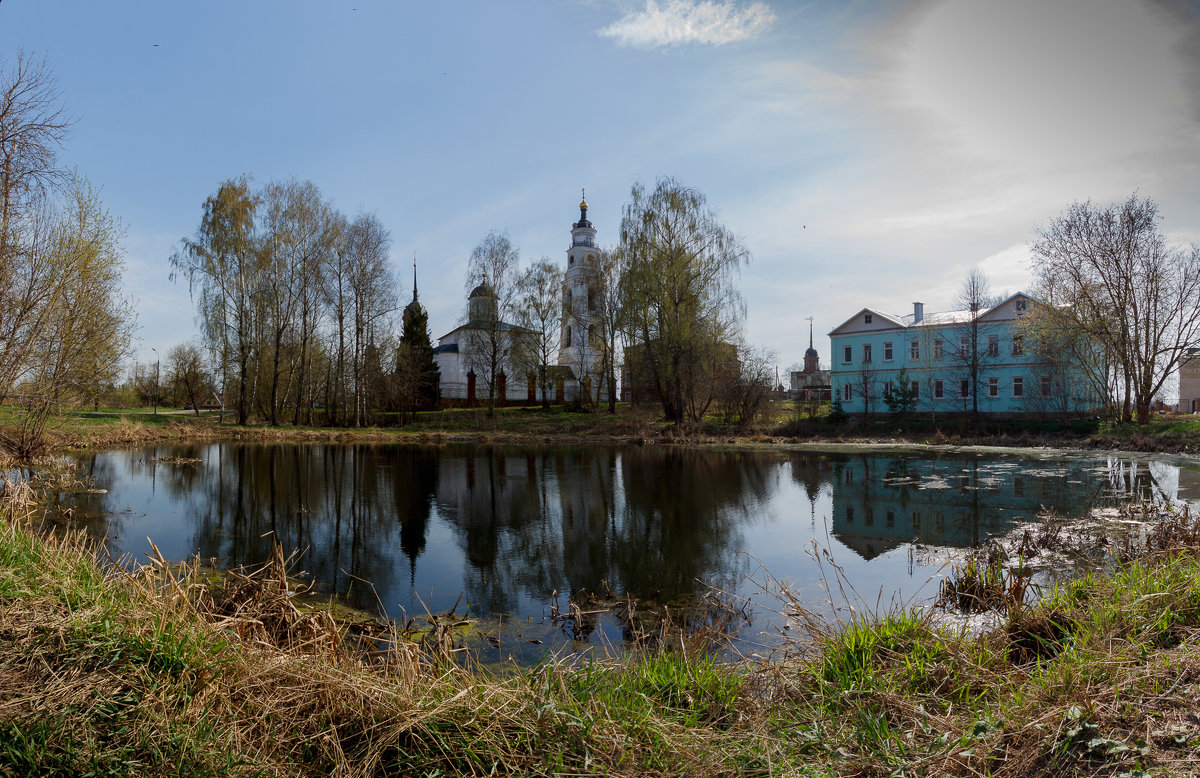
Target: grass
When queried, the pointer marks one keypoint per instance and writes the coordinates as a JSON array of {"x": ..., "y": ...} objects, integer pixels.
[{"x": 163, "y": 672}]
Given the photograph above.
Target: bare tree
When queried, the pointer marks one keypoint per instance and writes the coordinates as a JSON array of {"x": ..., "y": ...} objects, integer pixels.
[
  {"x": 604, "y": 278},
  {"x": 489, "y": 341},
  {"x": 539, "y": 311},
  {"x": 186, "y": 373},
  {"x": 32, "y": 129},
  {"x": 972, "y": 351},
  {"x": 373, "y": 298},
  {"x": 1110, "y": 274},
  {"x": 299, "y": 235}
]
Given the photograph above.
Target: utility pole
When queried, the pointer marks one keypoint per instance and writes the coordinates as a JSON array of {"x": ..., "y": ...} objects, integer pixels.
[{"x": 156, "y": 364}]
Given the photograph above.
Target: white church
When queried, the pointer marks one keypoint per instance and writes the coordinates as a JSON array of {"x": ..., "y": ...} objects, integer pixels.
[{"x": 579, "y": 355}]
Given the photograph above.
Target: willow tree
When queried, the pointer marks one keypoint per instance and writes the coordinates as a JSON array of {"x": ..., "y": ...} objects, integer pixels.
[
  {"x": 682, "y": 310},
  {"x": 1110, "y": 275}
]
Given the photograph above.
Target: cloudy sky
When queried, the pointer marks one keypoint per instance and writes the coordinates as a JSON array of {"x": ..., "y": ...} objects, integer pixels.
[{"x": 867, "y": 153}]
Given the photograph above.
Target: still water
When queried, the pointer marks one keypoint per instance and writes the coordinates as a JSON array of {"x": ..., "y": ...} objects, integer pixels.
[{"x": 509, "y": 531}]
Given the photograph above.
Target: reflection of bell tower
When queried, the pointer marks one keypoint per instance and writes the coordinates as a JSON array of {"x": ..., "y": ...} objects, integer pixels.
[{"x": 578, "y": 348}]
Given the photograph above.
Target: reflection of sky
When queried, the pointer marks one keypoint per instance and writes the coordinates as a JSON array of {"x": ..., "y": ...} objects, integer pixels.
[{"x": 560, "y": 518}]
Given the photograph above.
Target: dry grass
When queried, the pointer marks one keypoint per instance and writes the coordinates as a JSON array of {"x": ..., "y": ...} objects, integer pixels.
[{"x": 161, "y": 670}]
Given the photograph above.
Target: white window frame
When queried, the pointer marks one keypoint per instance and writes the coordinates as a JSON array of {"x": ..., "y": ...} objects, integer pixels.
[
  {"x": 964, "y": 346},
  {"x": 1018, "y": 345},
  {"x": 914, "y": 350},
  {"x": 993, "y": 346},
  {"x": 915, "y": 386},
  {"x": 1018, "y": 386},
  {"x": 939, "y": 349},
  {"x": 887, "y": 351},
  {"x": 847, "y": 354},
  {"x": 964, "y": 388},
  {"x": 866, "y": 318},
  {"x": 993, "y": 388},
  {"x": 1047, "y": 386},
  {"x": 866, "y": 353},
  {"x": 939, "y": 389},
  {"x": 847, "y": 393}
]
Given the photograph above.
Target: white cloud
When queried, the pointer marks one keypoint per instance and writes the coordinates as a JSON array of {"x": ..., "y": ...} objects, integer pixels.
[{"x": 679, "y": 22}]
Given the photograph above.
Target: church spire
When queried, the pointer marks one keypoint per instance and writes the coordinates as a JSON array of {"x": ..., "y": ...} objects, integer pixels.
[{"x": 414, "y": 276}]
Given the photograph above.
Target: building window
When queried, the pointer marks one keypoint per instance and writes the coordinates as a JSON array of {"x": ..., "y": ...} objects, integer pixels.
[
  {"x": 938, "y": 349},
  {"x": 1018, "y": 345},
  {"x": 887, "y": 352},
  {"x": 916, "y": 521},
  {"x": 939, "y": 389},
  {"x": 847, "y": 395},
  {"x": 1018, "y": 386},
  {"x": 867, "y": 319},
  {"x": 567, "y": 340},
  {"x": 849, "y": 514},
  {"x": 993, "y": 387},
  {"x": 993, "y": 349},
  {"x": 914, "y": 350},
  {"x": 890, "y": 518},
  {"x": 869, "y": 516},
  {"x": 964, "y": 387},
  {"x": 866, "y": 352},
  {"x": 964, "y": 346},
  {"x": 887, "y": 390},
  {"x": 1047, "y": 386},
  {"x": 847, "y": 354},
  {"x": 915, "y": 386}
]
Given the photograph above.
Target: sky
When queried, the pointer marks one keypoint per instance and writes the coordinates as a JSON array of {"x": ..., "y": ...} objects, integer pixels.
[{"x": 866, "y": 153}]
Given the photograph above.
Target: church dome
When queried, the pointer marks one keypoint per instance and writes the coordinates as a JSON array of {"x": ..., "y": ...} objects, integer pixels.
[
  {"x": 483, "y": 290},
  {"x": 811, "y": 352}
]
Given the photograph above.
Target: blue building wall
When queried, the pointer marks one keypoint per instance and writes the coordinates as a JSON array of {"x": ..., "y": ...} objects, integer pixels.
[{"x": 873, "y": 351}]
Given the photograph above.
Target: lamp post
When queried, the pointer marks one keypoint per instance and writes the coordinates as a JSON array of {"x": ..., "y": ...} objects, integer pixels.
[{"x": 156, "y": 364}]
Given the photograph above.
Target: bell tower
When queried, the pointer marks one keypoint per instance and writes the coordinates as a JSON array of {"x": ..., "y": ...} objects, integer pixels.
[{"x": 580, "y": 346}]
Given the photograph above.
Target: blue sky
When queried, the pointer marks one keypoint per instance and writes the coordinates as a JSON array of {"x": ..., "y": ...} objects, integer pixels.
[{"x": 867, "y": 153}]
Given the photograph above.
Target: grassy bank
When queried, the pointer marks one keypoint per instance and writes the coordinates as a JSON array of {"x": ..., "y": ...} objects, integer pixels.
[
  {"x": 161, "y": 672},
  {"x": 781, "y": 426}
]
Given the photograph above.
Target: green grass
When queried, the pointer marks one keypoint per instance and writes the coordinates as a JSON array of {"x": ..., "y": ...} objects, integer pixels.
[{"x": 108, "y": 675}]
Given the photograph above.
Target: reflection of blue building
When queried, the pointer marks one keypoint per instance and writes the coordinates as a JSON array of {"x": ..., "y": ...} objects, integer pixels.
[{"x": 880, "y": 503}]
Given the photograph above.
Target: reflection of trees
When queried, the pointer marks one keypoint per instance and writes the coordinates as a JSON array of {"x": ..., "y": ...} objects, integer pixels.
[
  {"x": 342, "y": 509},
  {"x": 681, "y": 519},
  {"x": 648, "y": 522}
]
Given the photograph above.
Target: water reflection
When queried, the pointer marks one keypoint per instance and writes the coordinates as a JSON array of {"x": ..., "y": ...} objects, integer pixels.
[{"x": 506, "y": 528}]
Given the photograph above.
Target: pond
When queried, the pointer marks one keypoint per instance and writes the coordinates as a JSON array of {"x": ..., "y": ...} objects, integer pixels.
[{"x": 513, "y": 535}]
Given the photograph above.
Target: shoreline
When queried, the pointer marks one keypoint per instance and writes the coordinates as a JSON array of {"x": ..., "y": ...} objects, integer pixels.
[{"x": 128, "y": 433}]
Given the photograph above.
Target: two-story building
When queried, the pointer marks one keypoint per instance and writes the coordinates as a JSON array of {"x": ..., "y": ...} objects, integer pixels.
[{"x": 952, "y": 362}]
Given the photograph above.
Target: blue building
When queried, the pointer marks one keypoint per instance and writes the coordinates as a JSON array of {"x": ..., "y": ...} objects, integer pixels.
[{"x": 953, "y": 362}]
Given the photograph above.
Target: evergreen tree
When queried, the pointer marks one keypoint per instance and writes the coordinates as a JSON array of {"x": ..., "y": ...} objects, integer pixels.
[{"x": 415, "y": 358}]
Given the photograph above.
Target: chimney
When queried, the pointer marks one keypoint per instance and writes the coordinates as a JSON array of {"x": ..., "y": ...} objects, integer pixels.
[{"x": 918, "y": 312}]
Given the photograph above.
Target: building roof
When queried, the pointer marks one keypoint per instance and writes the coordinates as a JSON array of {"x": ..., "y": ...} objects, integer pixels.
[{"x": 937, "y": 318}]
